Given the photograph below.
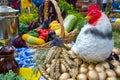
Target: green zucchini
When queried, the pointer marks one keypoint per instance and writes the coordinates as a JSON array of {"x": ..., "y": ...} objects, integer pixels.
[{"x": 69, "y": 22}]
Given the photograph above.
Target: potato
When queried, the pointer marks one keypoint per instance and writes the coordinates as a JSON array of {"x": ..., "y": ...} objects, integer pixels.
[
  {"x": 82, "y": 77},
  {"x": 64, "y": 76},
  {"x": 117, "y": 70},
  {"x": 83, "y": 70},
  {"x": 111, "y": 78},
  {"x": 105, "y": 65},
  {"x": 110, "y": 73},
  {"x": 63, "y": 68},
  {"x": 93, "y": 75},
  {"x": 102, "y": 75},
  {"x": 99, "y": 68}
]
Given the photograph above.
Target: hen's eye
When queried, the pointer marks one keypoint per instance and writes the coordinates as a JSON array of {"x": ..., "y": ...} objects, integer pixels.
[{"x": 94, "y": 13}]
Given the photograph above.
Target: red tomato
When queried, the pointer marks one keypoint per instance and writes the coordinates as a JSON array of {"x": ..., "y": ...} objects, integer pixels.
[{"x": 39, "y": 30}]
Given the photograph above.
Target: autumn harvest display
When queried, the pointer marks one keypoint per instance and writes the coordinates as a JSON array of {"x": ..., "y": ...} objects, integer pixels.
[{"x": 58, "y": 42}]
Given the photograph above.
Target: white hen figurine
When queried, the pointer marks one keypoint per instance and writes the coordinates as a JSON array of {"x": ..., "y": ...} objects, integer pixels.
[{"x": 95, "y": 42}]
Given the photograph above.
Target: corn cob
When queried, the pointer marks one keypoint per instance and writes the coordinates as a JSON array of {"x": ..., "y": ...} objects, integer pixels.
[
  {"x": 50, "y": 55},
  {"x": 57, "y": 69},
  {"x": 52, "y": 70},
  {"x": 75, "y": 73},
  {"x": 58, "y": 53},
  {"x": 67, "y": 59},
  {"x": 66, "y": 65},
  {"x": 44, "y": 73}
]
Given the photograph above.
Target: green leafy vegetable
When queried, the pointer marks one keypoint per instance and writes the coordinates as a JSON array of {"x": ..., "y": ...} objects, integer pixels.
[
  {"x": 33, "y": 33},
  {"x": 1, "y": 43},
  {"x": 23, "y": 28},
  {"x": 11, "y": 76},
  {"x": 28, "y": 15}
]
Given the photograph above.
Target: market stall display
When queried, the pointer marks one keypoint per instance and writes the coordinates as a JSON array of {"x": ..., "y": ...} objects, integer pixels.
[
  {"x": 47, "y": 45},
  {"x": 92, "y": 57},
  {"x": 45, "y": 32}
]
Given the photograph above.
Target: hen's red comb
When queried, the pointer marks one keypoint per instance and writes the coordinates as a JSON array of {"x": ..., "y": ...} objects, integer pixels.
[{"x": 93, "y": 7}]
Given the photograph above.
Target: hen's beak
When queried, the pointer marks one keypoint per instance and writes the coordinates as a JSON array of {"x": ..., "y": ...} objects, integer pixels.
[{"x": 88, "y": 17}]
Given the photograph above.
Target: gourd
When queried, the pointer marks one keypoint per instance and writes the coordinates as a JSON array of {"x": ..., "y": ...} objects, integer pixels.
[{"x": 32, "y": 40}]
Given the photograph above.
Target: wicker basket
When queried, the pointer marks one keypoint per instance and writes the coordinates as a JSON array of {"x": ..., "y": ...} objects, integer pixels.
[
  {"x": 110, "y": 69},
  {"x": 66, "y": 39}
]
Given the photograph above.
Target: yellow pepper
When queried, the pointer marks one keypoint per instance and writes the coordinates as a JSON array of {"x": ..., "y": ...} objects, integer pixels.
[
  {"x": 54, "y": 25},
  {"x": 58, "y": 32}
]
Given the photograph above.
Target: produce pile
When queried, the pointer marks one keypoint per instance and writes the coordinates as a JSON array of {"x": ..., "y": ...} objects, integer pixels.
[
  {"x": 62, "y": 64},
  {"x": 26, "y": 16},
  {"x": 35, "y": 30},
  {"x": 49, "y": 31}
]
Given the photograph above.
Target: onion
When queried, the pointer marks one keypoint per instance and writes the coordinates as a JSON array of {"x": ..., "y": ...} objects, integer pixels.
[
  {"x": 64, "y": 76},
  {"x": 72, "y": 54},
  {"x": 48, "y": 70},
  {"x": 117, "y": 70},
  {"x": 69, "y": 45},
  {"x": 105, "y": 65},
  {"x": 110, "y": 73},
  {"x": 116, "y": 51},
  {"x": 111, "y": 78},
  {"x": 63, "y": 68},
  {"x": 72, "y": 71},
  {"x": 115, "y": 62},
  {"x": 91, "y": 67},
  {"x": 99, "y": 68},
  {"x": 70, "y": 79},
  {"x": 47, "y": 65},
  {"x": 84, "y": 65},
  {"x": 83, "y": 70},
  {"x": 78, "y": 61},
  {"x": 102, "y": 75},
  {"x": 82, "y": 77},
  {"x": 93, "y": 75},
  {"x": 53, "y": 61}
]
